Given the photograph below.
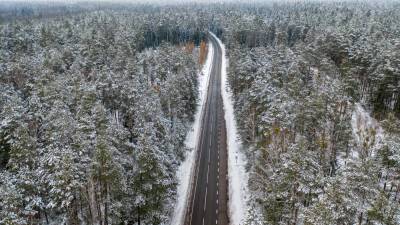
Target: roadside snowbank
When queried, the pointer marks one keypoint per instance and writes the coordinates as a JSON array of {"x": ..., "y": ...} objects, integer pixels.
[
  {"x": 185, "y": 171},
  {"x": 238, "y": 193}
]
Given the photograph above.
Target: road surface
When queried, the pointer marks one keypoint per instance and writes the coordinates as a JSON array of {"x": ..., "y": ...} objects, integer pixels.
[{"x": 209, "y": 194}]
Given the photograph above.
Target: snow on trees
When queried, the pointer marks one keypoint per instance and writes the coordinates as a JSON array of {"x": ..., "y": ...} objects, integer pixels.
[{"x": 93, "y": 116}]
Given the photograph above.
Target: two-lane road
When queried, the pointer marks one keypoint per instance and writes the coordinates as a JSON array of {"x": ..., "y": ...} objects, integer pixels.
[{"x": 208, "y": 200}]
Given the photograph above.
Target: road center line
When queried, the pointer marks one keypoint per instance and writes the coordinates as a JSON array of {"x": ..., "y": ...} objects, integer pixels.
[{"x": 212, "y": 109}]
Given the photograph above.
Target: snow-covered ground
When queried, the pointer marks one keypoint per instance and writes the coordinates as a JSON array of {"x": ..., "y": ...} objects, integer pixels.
[
  {"x": 367, "y": 132},
  {"x": 186, "y": 169},
  {"x": 238, "y": 193}
]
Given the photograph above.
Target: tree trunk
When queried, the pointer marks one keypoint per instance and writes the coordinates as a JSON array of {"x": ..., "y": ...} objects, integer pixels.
[
  {"x": 98, "y": 196},
  {"x": 45, "y": 215},
  {"x": 253, "y": 123},
  {"x": 138, "y": 212},
  {"x": 397, "y": 192},
  {"x": 360, "y": 219},
  {"x": 296, "y": 213},
  {"x": 73, "y": 218},
  {"x": 106, "y": 206},
  {"x": 92, "y": 202}
]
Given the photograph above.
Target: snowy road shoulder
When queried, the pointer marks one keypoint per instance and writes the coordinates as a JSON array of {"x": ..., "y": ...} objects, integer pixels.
[{"x": 185, "y": 171}]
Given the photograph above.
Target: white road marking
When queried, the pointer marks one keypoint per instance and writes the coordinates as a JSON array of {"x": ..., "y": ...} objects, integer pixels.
[
  {"x": 208, "y": 172},
  {"x": 205, "y": 201},
  {"x": 209, "y": 155}
]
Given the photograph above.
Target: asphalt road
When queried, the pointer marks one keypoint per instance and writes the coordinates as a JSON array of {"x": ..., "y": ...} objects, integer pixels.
[{"x": 208, "y": 201}]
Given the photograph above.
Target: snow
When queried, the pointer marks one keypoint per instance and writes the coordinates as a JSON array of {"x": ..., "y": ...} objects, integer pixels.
[
  {"x": 363, "y": 127},
  {"x": 185, "y": 170},
  {"x": 238, "y": 192},
  {"x": 315, "y": 74}
]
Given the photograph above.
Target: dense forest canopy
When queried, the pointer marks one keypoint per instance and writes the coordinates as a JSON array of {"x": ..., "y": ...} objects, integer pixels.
[
  {"x": 302, "y": 75},
  {"x": 94, "y": 110},
  {"x": 96, "y": 101}
]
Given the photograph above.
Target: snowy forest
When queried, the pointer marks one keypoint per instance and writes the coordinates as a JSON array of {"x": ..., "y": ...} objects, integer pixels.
[
  {"x": 316, "y": 89},
  {"x": 96, "y": 101},
  {"x": 94, "y": 109}
]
